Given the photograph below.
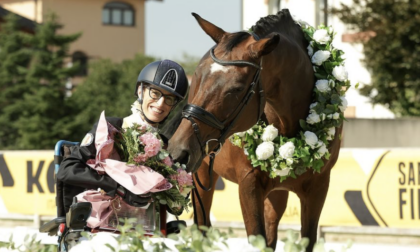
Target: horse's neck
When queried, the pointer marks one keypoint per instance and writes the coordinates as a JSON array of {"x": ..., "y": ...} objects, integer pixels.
[{"x": 287, "y": 79}]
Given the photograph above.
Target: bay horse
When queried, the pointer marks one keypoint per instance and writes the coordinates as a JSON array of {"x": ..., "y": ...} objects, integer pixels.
[{"x": 273, "y": 63}]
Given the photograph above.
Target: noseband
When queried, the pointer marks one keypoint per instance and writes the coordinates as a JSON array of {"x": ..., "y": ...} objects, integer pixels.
[{"x": 192, "y": 111}]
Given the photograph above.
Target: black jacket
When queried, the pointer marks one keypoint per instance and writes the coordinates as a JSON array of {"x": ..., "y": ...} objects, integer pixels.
[{"x": 75, "y": 176}]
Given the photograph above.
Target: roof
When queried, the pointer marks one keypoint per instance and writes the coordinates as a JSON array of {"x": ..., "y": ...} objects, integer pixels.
[{"x": 26, "y": 24}]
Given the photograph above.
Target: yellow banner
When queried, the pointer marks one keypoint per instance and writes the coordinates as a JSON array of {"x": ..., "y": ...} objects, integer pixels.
[{"x": 368, "y": 187}]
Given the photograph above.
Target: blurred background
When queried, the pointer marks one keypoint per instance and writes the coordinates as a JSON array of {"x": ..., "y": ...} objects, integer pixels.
[{"x": 62, "y": 62}]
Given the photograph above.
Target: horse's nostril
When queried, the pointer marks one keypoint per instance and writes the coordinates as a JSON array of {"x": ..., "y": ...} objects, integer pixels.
[{"x": 183, "y": 158}]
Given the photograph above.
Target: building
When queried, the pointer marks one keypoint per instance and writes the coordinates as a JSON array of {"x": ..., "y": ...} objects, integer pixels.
[
  {"x": 314, "y": 13},
  {"x": 110, "y": 29},
  {"x": 26, "y": 24}
]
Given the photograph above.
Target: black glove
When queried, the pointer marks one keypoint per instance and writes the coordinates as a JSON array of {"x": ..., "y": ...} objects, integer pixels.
[{"x": 133, "y": 199}]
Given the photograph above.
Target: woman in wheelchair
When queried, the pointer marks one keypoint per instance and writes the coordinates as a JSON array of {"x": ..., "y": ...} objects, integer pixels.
[{"x": 160, "y": 86}]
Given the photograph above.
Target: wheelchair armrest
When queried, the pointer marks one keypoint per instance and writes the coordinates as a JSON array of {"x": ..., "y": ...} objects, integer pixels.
[{"x": 51, "y": 227}]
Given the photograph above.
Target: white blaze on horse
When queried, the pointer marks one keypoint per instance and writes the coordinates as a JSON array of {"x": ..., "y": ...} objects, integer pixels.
[{"x": 273, "y": 64}]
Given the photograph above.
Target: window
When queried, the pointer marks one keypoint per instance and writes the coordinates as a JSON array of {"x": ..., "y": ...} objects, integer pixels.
[
  {"x": 82, "y": 59},
  {"x": 118, "y": 13}
]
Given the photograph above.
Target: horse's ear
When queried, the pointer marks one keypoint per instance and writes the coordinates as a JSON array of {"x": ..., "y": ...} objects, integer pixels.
[
  {"x": 263, "y": 46},
  {"x": 213, "y": 31}
]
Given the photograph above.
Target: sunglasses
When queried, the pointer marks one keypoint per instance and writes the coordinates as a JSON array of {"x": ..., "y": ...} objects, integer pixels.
[{"x": 156, "y": 95}]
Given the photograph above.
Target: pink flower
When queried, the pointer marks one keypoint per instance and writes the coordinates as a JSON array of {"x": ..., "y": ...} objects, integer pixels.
[
  {"x": 183, "y": 178},
  {"x": 168, "y": 161},
  {"x": 141, "y": 158},
  {"x": 152, "y": 144}
]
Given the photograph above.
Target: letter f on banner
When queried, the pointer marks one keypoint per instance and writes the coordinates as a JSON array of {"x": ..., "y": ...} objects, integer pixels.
[{"x": 6, "y": 177}]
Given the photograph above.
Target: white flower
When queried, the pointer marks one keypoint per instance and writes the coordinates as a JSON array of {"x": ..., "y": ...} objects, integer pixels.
[
  {"x": 343, "y": 103},
  {"x": 320, "y": 56},
  {"x": 336, "y": 115},
  {"x": 250, "y": 131},
  {"x": 283, "y": 172},
  {"x": 265, "y": 150},
  {"x": 240, "y": 134},
  {"x": 246, "y": 151},
  {"x": 322, "y": 86},
  {"x": 330, "y": 116},
  {"x": 322, "y": 150},
  {"x": 322, "y": 116},
  {"x": 270, "y": 132},
  {"x": 310, "y": 50},
  {"x": 340, "y": 73},
  {"x": 330, "y": 133},
  {"x": 311, "y": 139},
  {"x": 286, "y": 150},
  {"x": 321, "y": 36},
  {"x": 289, "y": 161},
  {"x": 312, "y": 118},
  {"x": 185, "y": 191},
  {"x": 331, "y": 83}
]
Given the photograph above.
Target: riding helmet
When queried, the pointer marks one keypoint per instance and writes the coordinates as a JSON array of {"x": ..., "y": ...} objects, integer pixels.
[{"x": 165, "y": 74}]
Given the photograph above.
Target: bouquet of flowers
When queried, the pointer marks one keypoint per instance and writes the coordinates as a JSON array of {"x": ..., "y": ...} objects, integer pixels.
[{"x": 141, "y": 145}]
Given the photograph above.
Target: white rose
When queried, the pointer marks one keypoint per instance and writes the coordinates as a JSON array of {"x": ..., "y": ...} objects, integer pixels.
[
  {"x": 320, "y": 56},
  {"x": 322, "y": 86},
  {"x": 319, "y": 143},
  {"x": 322, "y": 116},
  {"x": 310, "y": 138},
  {"x": 322, "y": 150},
  {"x": 330, "y": 133},
  {"x": 250, "y": 131},
  {"x": 265, "y": 150},
  {"x": 270, "y": 132},
  {"x": 340, "y": 73},
  {"x": 289, "y": 161},
  {"x": 240, "y": 134},
  {"x": 329, "y": 116},
  {"x": 331, "y": 83},
  {"x": 336, "y": 115},
  {"x": 185, "y": 191},
  {"x": 313, "y": 118},
  {"x": 283, "y": 172},
  {"x": 286, "y": 150},
  {"x": 343, "y": 103},
  {"x": 246, "y": 151},
  {"x": 310, "y": 50},
  {"x": 321, "y": 36}
]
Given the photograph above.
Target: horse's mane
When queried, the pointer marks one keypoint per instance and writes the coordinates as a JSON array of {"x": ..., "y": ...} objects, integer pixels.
[
  {"x": 235, "y": 39},
  {"x": 282, "y": 23}
]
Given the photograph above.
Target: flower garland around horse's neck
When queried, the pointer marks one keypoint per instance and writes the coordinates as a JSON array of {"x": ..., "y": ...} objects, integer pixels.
[{"x": 287, "y": 157}]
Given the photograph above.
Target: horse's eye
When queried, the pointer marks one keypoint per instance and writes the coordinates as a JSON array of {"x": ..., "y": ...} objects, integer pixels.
[{"x": 236, "y": 90}]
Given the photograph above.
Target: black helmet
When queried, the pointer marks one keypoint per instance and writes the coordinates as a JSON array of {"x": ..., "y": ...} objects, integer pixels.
[{"x": 165, "y": 74}]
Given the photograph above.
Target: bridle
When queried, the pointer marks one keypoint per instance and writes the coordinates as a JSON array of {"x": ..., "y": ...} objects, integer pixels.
[{"x": 192, "y": 112}]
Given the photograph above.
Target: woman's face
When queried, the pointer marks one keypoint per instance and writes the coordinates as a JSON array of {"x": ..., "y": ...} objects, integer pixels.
[{"x": 156, "y": 108}]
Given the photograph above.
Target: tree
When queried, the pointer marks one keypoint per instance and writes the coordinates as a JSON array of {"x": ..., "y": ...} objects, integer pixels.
[
  {"x": 14, "y": 59},
  {"x": 392, "y": 54},
  {"x": 43, "y": 108}
]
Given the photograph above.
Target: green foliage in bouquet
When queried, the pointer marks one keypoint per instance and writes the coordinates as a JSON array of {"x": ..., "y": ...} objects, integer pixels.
[{"x": 141, "y": 145}]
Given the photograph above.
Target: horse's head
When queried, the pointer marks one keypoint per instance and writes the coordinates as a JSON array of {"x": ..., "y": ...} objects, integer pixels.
[{"x": 221, "y": 100}]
